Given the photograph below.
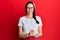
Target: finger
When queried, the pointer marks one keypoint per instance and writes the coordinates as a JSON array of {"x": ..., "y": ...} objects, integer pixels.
[{"x": 36, "y": 36}]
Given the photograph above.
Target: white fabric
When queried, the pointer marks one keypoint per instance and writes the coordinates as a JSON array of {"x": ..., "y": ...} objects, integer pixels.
[{"x": 29, "y": 24}]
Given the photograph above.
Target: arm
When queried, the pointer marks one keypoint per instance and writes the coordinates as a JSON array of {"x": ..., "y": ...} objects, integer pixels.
[
  {"x": 39, "y": 34},
  {"x": 40, "y": 30},
  {"x": 40, "y": 26},
  {"x": 21, "y": 35}
]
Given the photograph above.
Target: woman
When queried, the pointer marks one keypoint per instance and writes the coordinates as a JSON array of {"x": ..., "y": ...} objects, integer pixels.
[{"x": 30, "y": 25}]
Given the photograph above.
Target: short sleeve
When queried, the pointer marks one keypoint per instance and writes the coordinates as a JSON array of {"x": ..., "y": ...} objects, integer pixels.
[
  {"x": 40, "y": 21},
  {"x": 20, "y": 23}
]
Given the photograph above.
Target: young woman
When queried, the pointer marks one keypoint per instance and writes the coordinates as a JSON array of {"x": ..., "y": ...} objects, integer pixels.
[{"x": 30, "y": 25}]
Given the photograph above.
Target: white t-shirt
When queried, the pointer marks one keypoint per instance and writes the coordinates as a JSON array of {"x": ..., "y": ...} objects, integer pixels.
[{"x": 29, "y": 24}]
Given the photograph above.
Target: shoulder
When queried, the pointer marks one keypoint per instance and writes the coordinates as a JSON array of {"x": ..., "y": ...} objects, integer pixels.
[
  {"x": 38, "y": 17},
  {"x": 22, "y": 17}
]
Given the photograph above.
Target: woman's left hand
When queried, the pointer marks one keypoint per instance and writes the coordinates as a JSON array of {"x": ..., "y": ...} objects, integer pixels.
[{"x": 37, "y": 35}]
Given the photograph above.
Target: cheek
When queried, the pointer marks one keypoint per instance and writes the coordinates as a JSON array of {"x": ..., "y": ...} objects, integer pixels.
[
  {"x": 32, "y": 10},
  {"x": 27, "y": 10}
]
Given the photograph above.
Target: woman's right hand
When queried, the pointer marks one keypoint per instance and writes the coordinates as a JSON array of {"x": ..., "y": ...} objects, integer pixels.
[{"x": 25, "y": 35}]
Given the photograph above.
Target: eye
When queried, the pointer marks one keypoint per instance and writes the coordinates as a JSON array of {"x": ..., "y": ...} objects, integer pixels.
[{"x": 30, "y": 7}]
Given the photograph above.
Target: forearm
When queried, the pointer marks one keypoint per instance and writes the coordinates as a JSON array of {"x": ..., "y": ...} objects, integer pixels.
[
  {"x": 23, "y": 35},
  {"x": 40, "y": 34}
]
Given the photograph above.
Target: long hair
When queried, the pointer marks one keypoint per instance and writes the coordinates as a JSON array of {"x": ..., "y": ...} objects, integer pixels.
[{"x": 34, "y": 16}]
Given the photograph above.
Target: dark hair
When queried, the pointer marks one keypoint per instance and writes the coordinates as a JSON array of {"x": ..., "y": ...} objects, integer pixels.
[{"x": 34, "y": 16}]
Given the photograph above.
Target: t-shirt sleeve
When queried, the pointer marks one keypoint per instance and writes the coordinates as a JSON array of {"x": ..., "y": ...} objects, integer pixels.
[
  {"x": 20, "y": 23},
  {"x": 40, "y": 21}
]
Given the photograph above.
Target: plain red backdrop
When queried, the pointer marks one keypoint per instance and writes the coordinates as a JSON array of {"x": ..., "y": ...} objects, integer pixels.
[{"x": 12, "y": 10}]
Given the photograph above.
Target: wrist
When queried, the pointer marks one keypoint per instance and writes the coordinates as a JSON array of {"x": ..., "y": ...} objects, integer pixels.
[{"x": 28, "y": 34}]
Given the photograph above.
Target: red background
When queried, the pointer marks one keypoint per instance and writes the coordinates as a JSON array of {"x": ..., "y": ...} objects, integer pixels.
[{"x": 12, "y": 10}]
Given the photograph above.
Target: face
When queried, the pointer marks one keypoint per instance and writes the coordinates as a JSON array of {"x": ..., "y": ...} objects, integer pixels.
[{"x": 30, "y": 8}]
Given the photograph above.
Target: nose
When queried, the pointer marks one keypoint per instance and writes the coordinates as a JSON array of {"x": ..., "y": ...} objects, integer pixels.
[{"x": 29, "y": 9}]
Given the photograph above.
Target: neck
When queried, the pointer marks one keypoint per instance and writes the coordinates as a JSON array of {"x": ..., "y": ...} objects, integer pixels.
[{"x": 29, "y": 15}]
